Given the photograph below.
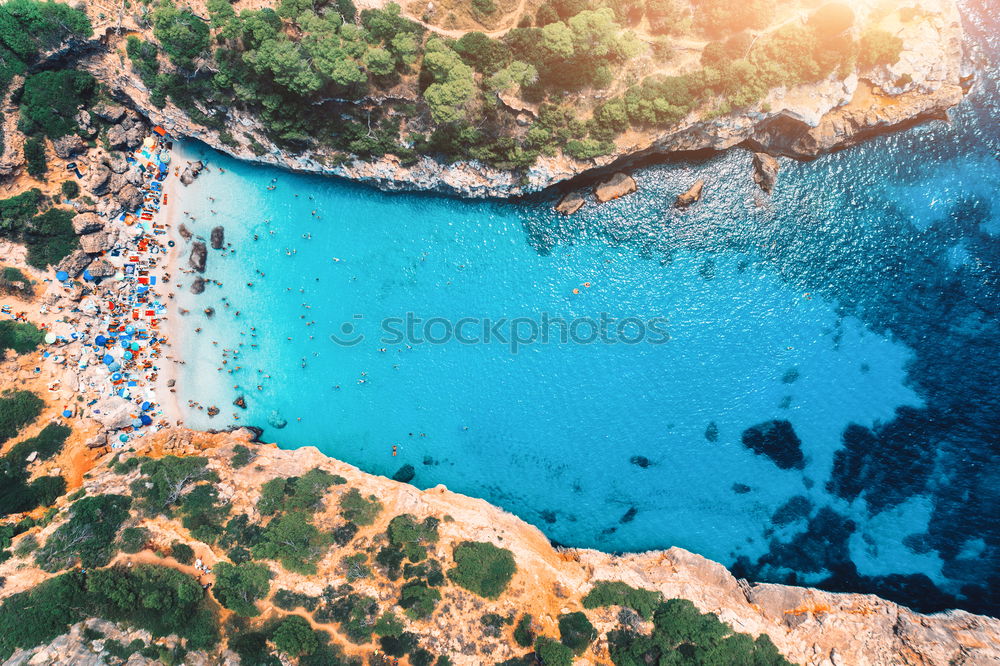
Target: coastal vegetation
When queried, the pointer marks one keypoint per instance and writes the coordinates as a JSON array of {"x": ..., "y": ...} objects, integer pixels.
[
  {"x": 48, "y": 235},
  {"x": 310, "y": 72}
]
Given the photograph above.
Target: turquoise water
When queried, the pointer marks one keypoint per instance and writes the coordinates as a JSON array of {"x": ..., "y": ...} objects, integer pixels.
[{"x": 857, "y": 303}]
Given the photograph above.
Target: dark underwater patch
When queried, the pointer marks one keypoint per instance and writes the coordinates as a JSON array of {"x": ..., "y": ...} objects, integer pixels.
[
  {"x": 712, "y": 432},
  {"x": 405, "y": 474},
  {"x": 797, "y": 508},
  {"x": 640, "y": 461},
  {"x": 776, "y": 440}
]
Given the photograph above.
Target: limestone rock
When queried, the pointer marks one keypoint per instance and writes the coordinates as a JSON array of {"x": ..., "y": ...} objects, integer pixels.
[
  {"x": 198, "y": 257},
  {"x": 101, "y": 269},
  {"x": 184, "y": 232},
  {"x": 218, "y": 238},
  {"x": 570, "y": 203},
  {"x": 109, "y": 112},
  {"x": 113, "y": 412},
  {"x": 69, "y": 145},
  {"x": 96, "y": 242},
  {"x": 129, "y": 197},
  {"x": 765, "y": 171},
  {"x": 118, "y": 137},
  {"x": 617, "y": 186},
  {"x": 86, "y": 223},
  {"x": 692, "y": 194},
  {"x": 99, "y": 179},
  {"x": 198, "y": 285},
  {"x": 75, "y": 263}
]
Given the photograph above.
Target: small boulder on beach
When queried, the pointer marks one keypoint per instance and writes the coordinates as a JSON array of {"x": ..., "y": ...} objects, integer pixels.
[
  {"x": 692, "y": 195},
  {"x": 617, "y": 186}
]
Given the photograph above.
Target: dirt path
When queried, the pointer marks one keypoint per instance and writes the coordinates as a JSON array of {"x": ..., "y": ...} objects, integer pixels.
[{"x": 512, "y": 20}]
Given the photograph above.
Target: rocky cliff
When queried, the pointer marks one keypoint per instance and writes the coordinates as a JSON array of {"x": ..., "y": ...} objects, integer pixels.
[
  {"x": 808, "y": 626},
  {"x": 801, "y": 122}
]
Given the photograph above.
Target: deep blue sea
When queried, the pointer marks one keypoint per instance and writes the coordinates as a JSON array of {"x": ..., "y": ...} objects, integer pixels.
[{"x": 815, "y": 397}]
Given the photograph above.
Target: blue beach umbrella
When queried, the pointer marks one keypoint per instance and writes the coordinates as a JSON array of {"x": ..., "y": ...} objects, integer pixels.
[
  {"x": 130, "y": 329},
  {"x": 122, "y": 438},
  {"x": 135, "y": 346},
  {"x": 108, "y": 359},
  {"x": 100, "y": 340},
  {"x": 127, "y": 355},
  {"x": 67, "y": 413},
  {"x": 145, "y": 419},
  {"x": 62, "y": 275},
  {"x": 146, "y": 405},
  {"x": 87, "y": 276},
  {"x": 115, "y": 367},
  {"x": 117, "y": 376}
]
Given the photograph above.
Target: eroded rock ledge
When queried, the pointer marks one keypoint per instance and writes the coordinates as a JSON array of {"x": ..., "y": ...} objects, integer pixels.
[
  {"x": 808, "y": 626},
  {"x": 802, "y": 122}
]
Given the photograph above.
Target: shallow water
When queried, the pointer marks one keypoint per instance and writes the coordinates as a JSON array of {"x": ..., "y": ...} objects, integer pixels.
[{"x": 863, "y": 291}]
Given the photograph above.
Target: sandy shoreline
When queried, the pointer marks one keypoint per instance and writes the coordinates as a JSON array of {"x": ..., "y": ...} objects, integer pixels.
[{"x": 169, "y": 371}]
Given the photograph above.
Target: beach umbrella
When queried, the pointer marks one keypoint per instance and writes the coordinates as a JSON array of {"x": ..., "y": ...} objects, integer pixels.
[
  {"x": 50, "y": 338},
  {"x": 67, "y": 413},
  {"x": 145, "y": 419},
  {"x": 146, "y": 405},
  {"x": 136, "y": 346},
  {"x": 115, "y": 367},
  {"x": 108, "y": 359},
  {"x": 116, "y": 376},
  {"x": 130, "y": 329},
  {"x": 136, "y": 423},
  {"x": 62, "y": 276},
  {"x": 127, "y": 355},
  {"x": 100, "y": 340},
  {"x": 87, "y": 276},
  {"x": 122, "y": 438}
]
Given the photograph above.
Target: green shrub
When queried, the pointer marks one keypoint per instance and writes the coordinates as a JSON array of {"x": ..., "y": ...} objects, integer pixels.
[
  {"x": 242, "y": 456},
  {"x": 22, "y": 337},
  {"x": 164, "y": 481},
  {"x": 288, "y": 600},
  {"x": 17, "y": 494},
  {"x": 359, "y": 510},
  {"x": 878, "y": 47},
  {"x": 13, "y": 281},
  {"x": 27, "y": 545},
  {"x": 482, "y": 568},
  {"x": 614, "y": 593},
  {"x": 183, "y": 35},
  {"x": 524, "y": 635},
  {"x": 134, "y": 539},
  {"x": 576, "y": 632},
  {"x": 50, "y": 100},
  {"x": 17, "y": 409},
  {"x": 49, "y": 237},
  {"x": 553, "y": 653},
  {"x": 34, "y": 155},
  {"x": 238, "y": 587},
  {"x": 294, "y": 541},
  {"x": 160, "y": 600},
  {"x": 418, "y": 599},
  {"x": 182, "y": 552},
  {"x": 252, "y": 646},
  {"x": 88, "y": 537},
  {"x": 294, "y": 636},
  {"x": 681, "y": 634},
  {"x": 70, "y": 189},
  {"x": 305, "y": 492}
]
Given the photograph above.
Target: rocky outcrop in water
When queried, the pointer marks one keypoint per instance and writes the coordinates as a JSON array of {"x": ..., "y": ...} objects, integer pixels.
[
  {"x": 765, "y": 171},
  {"x": 570, "y": 203},
  {"x": 218, "y": 238},
  {"x": 692, "y": 195},
  {"x": 198, "y": 257},
  {"x": 776, "y": 440},
  {"x": 618, "y": 185}
]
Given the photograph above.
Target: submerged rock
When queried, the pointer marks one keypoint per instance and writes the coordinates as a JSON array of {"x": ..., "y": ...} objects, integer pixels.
[
  {"x": 765, "y": 171},
  {"x": 629, "y": 515},
  {"x": 692, "y": 195},
  {"x": 198, "y": 286},
  {"x": 198, "y": 257},
  {"x": 640, "y": 461},
  {"x": 218, "y": 238},
  {"x": 712, "y": 432},
  {"x": 776, "y": 440},
  {"x": 240, "y": 402},
  {"x": 405, "y": 474},
  {"x": 184, "y": 232},
  {"x": 276, "y": 420},
  {"x": 741, "y": 488},
  {"x": 570, "y": 203},
  {"x": 617, "y": 186},
  {"x": 213, "y": 411}
]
